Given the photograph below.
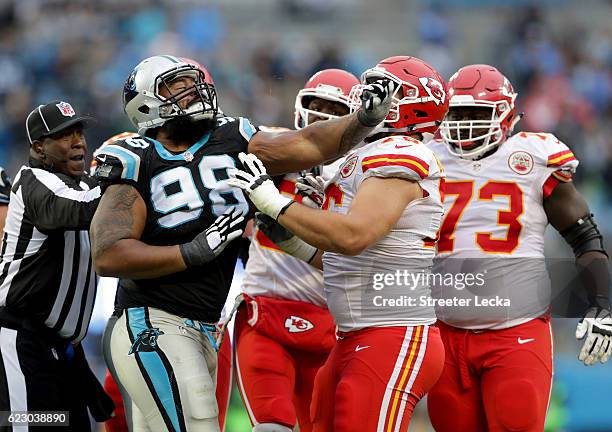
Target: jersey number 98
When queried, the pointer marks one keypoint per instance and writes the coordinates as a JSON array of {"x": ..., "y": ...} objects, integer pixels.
[{"x": 220, "y": 195}]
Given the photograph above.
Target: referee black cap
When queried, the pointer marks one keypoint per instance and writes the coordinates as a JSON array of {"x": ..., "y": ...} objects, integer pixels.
[{"x": 51, "y": 118}]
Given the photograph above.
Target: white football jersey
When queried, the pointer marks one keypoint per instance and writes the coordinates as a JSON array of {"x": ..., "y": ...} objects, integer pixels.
[
  {"x": 494, "y": 226},
  {"x": 271, "y": 272},
  {"x": 356, "y": 287}
]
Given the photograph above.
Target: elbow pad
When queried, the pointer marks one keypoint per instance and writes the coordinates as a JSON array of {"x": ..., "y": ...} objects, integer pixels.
[{"x": 584, "y": 236}]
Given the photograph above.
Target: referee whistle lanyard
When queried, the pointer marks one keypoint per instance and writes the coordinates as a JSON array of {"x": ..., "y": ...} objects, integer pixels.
[{"x": 207, "y": 329}]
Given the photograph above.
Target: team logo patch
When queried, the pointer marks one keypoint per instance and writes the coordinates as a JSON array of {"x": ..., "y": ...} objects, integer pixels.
[
  {"x": 146, "y": 341},
  {"x": 348, "y": 167},
  {"x": 66, "y": 109},
  {"x": 434, "y": 89},
  {"x": 520, "y": 162},
  {"x": 296, "y": 324},
  {"x": 103, "y": 170}
]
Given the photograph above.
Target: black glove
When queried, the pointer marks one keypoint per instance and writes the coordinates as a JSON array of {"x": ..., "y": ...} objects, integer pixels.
[
  {"x": 375, "y": 102},
  {"x": 207, "y": 245}
]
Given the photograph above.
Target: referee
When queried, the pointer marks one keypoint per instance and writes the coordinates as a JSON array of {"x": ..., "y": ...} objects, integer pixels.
[{"x": 47, "y": 283}]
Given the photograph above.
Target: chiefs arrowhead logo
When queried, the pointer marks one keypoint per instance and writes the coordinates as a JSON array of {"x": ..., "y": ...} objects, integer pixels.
[
  {"x": 434, "y": 89},
  {"x": 520, "y": 162},
  {"x": 296, "y": 324},
  {"x": 66, "y": 109},
  {"x": 348, "y": 167}
]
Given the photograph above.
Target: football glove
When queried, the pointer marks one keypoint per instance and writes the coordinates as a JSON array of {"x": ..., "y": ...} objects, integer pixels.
[
  {"x": 375, "y": 102},
  {"x": 259, "y": 186},
  {"x": 596, "y": 326},
  {"x": 207, "y": 245},
  {"x": 284, "y": 239},
  {"x": 312, "y": 190}
]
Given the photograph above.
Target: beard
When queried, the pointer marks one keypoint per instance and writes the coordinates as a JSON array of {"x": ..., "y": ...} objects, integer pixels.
[{"x": 183, "y": 129}]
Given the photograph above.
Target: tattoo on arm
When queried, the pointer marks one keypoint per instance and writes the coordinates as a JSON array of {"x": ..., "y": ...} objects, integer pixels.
[{"x": 114, "y": 219}]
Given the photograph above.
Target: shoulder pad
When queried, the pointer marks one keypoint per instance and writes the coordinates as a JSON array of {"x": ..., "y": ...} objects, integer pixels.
[
  {"x": 549, "y": 151},
  {"x": 243, "y": 125},
  {"x": 397, "y": 157},
  {"x": 120, "y": 161}
]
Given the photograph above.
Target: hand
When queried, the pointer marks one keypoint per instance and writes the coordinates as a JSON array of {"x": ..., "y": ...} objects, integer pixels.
[
  {"x": 259, "y": 186},
  {"x": 312, "y": 190},
  {"x": 285, "y": 239},
  {"x": 375, "y": 102},
  {"x": 207, "y": 245},
  {"x": 597, "y": 327}
]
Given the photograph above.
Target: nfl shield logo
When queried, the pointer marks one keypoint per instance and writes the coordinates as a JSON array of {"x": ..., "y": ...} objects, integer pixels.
[{"x": 66, "y": 109}]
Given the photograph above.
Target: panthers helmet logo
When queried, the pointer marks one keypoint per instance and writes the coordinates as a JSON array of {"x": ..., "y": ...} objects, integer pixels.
[{"x": 146, "y": 341}]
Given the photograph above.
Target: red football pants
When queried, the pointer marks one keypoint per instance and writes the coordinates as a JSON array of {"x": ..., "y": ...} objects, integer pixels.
[
  {"x": 496, "y": 380},
  {"x": 374, "y": 377},
  {"x": 275, "y": 381},
  {"x": 224, "y": 385}
]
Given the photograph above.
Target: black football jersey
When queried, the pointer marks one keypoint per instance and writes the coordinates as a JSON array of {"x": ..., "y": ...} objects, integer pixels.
[{"x": 184, "y": 194}]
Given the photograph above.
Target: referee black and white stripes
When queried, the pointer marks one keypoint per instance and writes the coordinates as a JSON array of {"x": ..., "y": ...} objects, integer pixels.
[{"x": 46, "y": 273}]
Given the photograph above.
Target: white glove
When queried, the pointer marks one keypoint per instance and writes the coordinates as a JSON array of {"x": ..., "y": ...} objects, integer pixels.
[
  {"x": 259, "y": 186},
  {"x": 284, "y": 239},
  {"x": 375, "y": 102},
  {"x": 312, "y": 190},
  {"x": 597, "y": 327},
  {"x": 210, "y": 243}
]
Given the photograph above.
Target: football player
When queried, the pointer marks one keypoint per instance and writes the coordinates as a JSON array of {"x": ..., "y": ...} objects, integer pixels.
[
  {"x": 165, "y": 225},
  {"x": 502, "y": 191},
  {"x": 283, "y": 331},
  {"x": 224, "y": 375},
  {"x": 381, "y": 212}
]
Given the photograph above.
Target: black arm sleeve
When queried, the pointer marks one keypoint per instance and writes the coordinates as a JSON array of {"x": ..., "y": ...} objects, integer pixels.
[
  {"x": 52, "y": 203},
  {"x": 583, "y": 237}
]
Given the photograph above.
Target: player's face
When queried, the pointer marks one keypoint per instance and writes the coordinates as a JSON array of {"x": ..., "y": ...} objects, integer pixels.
[
  {"x": 469, "y": 114},
  {"x": 326, "y": 107},
  {"x": 177, "y": 87},
  {"x": 65, "y": 151}
]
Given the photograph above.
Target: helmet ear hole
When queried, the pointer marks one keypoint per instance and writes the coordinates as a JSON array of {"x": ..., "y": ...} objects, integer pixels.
[
  {"x": 143, "y": 109},
  {"x": 420, "y": 114}
]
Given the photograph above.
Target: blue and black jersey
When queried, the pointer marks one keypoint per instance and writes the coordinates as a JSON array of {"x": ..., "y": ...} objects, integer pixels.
[{"x": 184, "y": 194}]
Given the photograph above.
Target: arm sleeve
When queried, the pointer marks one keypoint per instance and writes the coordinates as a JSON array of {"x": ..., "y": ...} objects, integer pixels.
[{"x": 52, "y": 204}]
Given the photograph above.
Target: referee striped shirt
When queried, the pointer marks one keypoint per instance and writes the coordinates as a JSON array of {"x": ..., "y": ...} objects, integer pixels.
[{"x": 46, "y": 272}]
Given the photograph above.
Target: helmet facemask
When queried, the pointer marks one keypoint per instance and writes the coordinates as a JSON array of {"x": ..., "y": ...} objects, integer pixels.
[
  {"x": 305, "y": 97},
  {"x": 203, "y": 107},
  {"x": 479, "y": 129}
]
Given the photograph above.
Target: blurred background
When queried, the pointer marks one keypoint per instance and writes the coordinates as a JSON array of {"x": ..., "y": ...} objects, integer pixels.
[{"x": 557, "y": 53}]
